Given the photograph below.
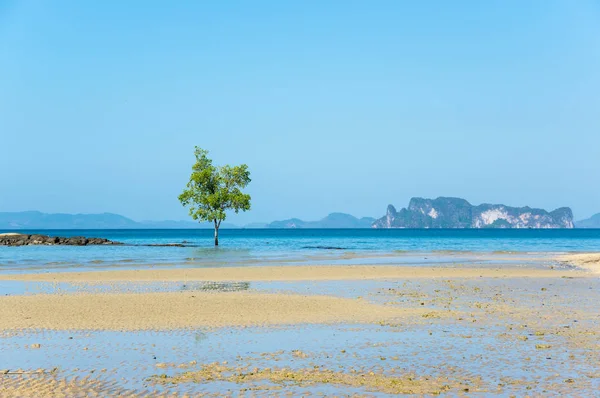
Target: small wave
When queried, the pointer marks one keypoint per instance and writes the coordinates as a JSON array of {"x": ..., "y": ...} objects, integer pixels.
[{"x": 325, "y": 247}]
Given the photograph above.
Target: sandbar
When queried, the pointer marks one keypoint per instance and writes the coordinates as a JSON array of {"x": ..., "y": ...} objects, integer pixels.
[
  {"x": 166, "y": 311},
  {"x": 296, "y": 273},
  {"x": 589, "y": 261}
]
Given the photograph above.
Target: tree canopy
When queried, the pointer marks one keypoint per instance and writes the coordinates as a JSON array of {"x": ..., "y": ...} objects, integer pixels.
[{"x": 212, "y": 190}]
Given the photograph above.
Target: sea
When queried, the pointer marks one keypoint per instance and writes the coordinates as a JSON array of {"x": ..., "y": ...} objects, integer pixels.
[{"x": 239, "y": 247}]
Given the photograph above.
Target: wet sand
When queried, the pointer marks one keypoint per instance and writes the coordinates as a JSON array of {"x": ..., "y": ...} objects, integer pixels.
[
  {"x": 297, "y": 273},
  {"x": 589, "y": 261},
  {"x": 50, "y": 384},
  {"x": 184, "y": 310},
  {"x": 307, "y": 330}
]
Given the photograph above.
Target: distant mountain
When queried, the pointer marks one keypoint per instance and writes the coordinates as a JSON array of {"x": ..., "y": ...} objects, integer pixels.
[
  {"x": 255, "y": 225},
  {"x": 38, "y": 220},
  {"x": 334, "y": 220},
  {"x": 421, "y": 213},
  {"x": 171, "y": 224},
  {"x": 458, "y": 213},
  {"x": 592, "y": 222}
]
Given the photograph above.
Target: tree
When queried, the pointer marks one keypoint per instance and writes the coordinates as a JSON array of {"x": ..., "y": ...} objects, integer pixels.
[{"x": 213, "y": 190}]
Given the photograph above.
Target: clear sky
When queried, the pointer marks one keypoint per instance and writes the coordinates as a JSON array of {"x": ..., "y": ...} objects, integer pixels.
[{"x": 334, "y": 105}]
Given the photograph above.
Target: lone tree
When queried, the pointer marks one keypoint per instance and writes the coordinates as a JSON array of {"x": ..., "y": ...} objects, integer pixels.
[{"x": 214, "y": 190}]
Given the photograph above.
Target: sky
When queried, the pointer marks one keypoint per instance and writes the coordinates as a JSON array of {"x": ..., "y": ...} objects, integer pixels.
[{"x": 336, "y": 106}]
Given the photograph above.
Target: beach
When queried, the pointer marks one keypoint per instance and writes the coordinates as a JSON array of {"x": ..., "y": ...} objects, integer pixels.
[
  {"x": 168, "y": 311},
  {"x": 298, "y": 273},
  {"x": 299, "y": 199},
  {"x": 507, "y": 328},
  {"x": 588, "y": 261}
]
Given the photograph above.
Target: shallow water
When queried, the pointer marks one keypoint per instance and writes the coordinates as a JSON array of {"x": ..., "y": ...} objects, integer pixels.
[
  {"x": 267, "y": 246},
  {"x": 494, "y": 351},
  {"x": 498, "y": 336},
  {"x": 432, "y": 350}
]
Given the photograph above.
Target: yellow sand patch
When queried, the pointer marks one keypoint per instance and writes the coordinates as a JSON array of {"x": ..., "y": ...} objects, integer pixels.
[
  {"x": 181, "y": 310},
  {"x": 590, "y": 261},
  {"x": 294, "y": 273}
]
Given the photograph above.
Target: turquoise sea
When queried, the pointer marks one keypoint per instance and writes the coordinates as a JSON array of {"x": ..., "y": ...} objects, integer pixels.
[{"x": 268, "y": 246}]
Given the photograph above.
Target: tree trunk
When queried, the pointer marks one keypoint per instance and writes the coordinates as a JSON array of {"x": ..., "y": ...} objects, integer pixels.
[{"x": 216, "y": 233}]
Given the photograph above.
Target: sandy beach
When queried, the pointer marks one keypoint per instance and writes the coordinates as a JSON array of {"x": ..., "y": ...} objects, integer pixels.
[
  {"x": 588, "y": 261},
  {"x": 297, "y": 273},
  {"x": 510, "y": 329},
  {"x": 184, "y": 310}
]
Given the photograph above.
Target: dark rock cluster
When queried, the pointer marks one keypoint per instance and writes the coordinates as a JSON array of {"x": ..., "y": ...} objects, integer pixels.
[{"x": 27, "y": 240}]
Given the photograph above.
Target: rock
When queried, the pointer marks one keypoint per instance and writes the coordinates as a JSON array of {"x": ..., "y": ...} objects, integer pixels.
[
  {"x": 37, "y": 239},
  {"x": 98, "y": 241},
  {"x": 77, "y": 241},
  {"x": 458, "y": 213}
]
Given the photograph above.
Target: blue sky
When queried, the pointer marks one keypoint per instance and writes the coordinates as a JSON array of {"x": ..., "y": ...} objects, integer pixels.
[{"x": 334, "y": 105}]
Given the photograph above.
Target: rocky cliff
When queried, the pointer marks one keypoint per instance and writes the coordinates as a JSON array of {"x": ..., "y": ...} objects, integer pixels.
[{"x": 458, "y": 213}]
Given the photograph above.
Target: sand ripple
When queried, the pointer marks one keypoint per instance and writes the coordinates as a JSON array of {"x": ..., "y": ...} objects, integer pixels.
[{"x": 123, "y": 311}]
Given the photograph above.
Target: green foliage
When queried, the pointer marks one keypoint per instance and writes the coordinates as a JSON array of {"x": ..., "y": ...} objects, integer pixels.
[{"x": 213, "y": 190}]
